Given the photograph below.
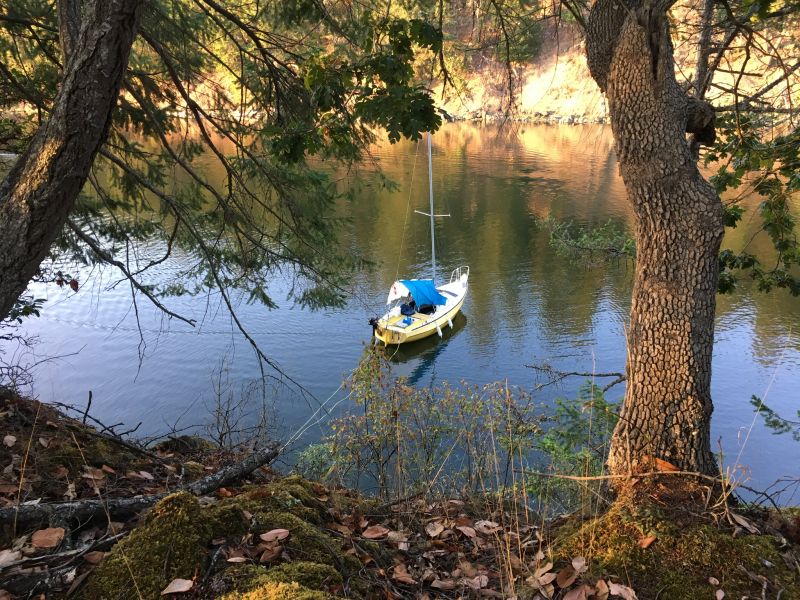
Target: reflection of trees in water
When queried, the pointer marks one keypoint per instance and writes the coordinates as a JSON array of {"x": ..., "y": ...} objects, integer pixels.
[{"x": 496, "y": 184}]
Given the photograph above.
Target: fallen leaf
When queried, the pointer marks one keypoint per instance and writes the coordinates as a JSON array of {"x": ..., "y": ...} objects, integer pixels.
[
  {"x": 543, "y": 569},
  {"x": 713, "y": 581},
  {"x": 400, "y": 573},
  {"x": 579, "y": 564},
  {"x": 275, "y": 535},
  {"x": 476, "y": 583},
  {"x": 59, "y": 472},
  {"x": 108, "y": 469},
  {"x": 443, "y": 584},
  {"x": 146, "y": 475},
  {"x": 92, "y": 473},
  {"x": 237, "y": 559},
  {"x": 546, "y": 579},
  {"x": 467, "y": 568},
  {"x": 434, "y": 528},
  {"x": 601, "y": 590},
  {"x": 744, "y": 523},
  {"x": 178, "y": 586},
  {"x": 70, "y": 494},
  {"x": 270, "y": 554},
  {"x": 486, "y": 527},
  {"x": 95, "y": 557},
  {"x": 467, "y": 531},
  {"x": 719, "y": 595},
  {"x": 10, "y": 440},
  {"x": 6, "y": 595},
  {"x": 47, "y": 538},
  {"x": 115, "y": 527},
  {"x": 9, "y": 556},
  {"x": 8, "y": 488},
  {"x": 645, "y": 542},
  {"x": 45, "y": 442},
  {"x": 399, "y": 538},
  {"x": 624, "y": 591},
  {"x": 579, "y": 593},
  {"x": 218, "y": 541},
  {"x": 375, "y": 532},
  {"x": 566, "y": 577}
]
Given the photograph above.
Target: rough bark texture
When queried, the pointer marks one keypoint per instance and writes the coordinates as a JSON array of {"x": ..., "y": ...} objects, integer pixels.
[
  {"x": 679, "y": 225},
  {"x": 42, "y": 187}
]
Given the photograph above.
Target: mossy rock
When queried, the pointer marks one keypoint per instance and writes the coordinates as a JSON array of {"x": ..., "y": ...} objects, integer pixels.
[
  {"x": 169, "y": 543},
  {"x": 307, "y": 581},
  {"x": 305, "y": 542},
  {"x": 278, "y": 591},
  {"x": 687, "y": 552}
]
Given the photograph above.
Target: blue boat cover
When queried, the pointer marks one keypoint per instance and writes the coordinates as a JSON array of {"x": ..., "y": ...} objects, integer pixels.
[{"x": 424, "y": 291}]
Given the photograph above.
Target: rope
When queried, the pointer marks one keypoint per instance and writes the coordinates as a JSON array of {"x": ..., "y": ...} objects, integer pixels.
[{"x": 408, "y": 207}]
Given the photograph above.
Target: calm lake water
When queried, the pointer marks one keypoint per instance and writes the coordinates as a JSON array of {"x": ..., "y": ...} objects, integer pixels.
[{"x": 527, "y": 304}]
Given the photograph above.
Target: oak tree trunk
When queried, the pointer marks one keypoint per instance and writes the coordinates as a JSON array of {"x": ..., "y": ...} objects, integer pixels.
[
  {"x": 679, "y": 225},
  {"x": 41, "y": 188}
]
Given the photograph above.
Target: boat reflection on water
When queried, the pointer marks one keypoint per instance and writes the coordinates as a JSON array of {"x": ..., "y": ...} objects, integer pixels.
[{"x": 421, "y": 355}]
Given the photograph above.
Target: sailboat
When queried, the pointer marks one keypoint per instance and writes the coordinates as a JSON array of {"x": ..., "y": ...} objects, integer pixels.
[{"x": 419, "y": 307}]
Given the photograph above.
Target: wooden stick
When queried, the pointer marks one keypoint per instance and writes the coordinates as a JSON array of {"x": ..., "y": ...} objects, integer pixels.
[{"x": 86, "y": 509}]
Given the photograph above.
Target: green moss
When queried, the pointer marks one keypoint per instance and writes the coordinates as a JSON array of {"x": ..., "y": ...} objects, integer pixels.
[
  {"x": 677, "y": 566},
  {"x": 226, "y": 520},
  {"x": 169, "y": 544},
  {"x": 314, "y": 576}
]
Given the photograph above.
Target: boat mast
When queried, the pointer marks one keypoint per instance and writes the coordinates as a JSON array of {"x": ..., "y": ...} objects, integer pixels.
[{"x": 430, "y": 193}]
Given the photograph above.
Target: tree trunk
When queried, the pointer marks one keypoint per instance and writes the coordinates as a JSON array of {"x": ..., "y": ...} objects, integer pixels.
[
  {"x": 666, "y": 413},
  {"x": 41, "y": 188}
]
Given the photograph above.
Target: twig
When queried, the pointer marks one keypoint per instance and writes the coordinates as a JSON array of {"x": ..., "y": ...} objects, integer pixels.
[{"x": 86, "y": 509}]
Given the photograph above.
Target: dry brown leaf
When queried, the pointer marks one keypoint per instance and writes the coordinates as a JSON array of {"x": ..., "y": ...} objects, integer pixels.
[
  {"x": 434, "y": 528},
  {"x": 10, "y": 440},
  {"x": 178, "y": 586},
  {"x": 237, "y": 559},
  {"x": 108, "y": 470},
  {"x": 476, "y": 583},
  {"x": 45, "y": 442},
  {"x": 8, "y": 488},
  {"x": 719, "y": 595},
  {"x": 579, "y": 593},
  {"x": 487, "y": 527},
  {"x": 400, "y": 573},
  {"x": 401, "y": 539},
  {"x": 274, "y": 535},
  {"x": 146, "y": 475},
  {"x": 9, "y": 556},
  {"x": 467, "y": 569},
  {"x": 617, "y": 589},
  {"x": 543, "y": 569},
  {"x": 344, "y": 529},
  {"x": 95, "y": 557},
  {"x": 744, "y": 523},
  {"x": 115, "y": 527},
  {"x": 579, "y": 564},
  {"x": 443, "y": 584},
  {"x": 713, "y": 581},
  {"x": 270, "y": 554},
  {"x": 467, "y": 531},
  {"x": 59, "y": 472},
  {"x": 92, "y": 473},
  {"x": 601, "y": 590},
  {"x": 566, "y": 577},
  {"x": 5, "y": 595},
  {"x": 47, "y": 538},
  {"x": 546, "y": 579},
  {"x": 646, "y": 542},
  {"x": 70, "y": 494},
  {"x": 375, "y": 532}
]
